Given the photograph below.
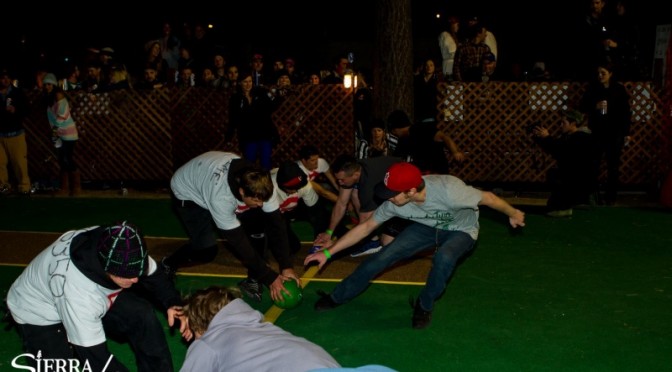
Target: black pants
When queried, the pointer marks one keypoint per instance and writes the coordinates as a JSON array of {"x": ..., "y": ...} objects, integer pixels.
[
  {"x": 611, "y": 149},
  {"x": 201, "y": 230},
  {"x": 66, "y": 156},
  {"x": 569, "y": 188},
  {"x": 131, "y": 319}
]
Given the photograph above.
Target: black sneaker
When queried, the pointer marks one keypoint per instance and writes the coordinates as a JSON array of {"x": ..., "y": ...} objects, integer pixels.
[
  {"x": 170, "y": 271},
  {"x": 325, "y": 302},
  {"x": 421, "y": 317},
  {"x": 251, "y": 288}
]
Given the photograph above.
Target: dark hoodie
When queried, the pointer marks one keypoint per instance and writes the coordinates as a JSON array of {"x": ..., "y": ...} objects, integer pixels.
[{"x": 84, "y": 255}]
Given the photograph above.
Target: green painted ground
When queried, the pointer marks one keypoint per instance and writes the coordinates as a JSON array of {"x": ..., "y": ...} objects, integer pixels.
[{"x": 588, "y": 293}]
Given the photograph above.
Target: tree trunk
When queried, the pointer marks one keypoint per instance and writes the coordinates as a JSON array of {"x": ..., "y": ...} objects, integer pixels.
[{"x": 393, "y": 58}]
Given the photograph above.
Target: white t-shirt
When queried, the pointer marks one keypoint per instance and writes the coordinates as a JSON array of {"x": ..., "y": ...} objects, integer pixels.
[
  {"x": 491, "y": 42},
  {"x": 52, "y": 290},
  {"x": 322, "y": 167},
  {"x": 204, "y": 181},
  {"x": 448, "y": 47},
  {"x": 289, "y": 201}
]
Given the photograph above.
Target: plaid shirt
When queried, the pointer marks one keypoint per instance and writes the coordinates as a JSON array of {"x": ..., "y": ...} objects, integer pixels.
[{"x": 469, "y": 62}]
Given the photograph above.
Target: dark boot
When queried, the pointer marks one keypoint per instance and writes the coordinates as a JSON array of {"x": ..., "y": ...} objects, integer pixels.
[
  {"x": 65, "y": 185},
  {"x": 76, "y": 185},
  {"x": 421, "y": 317}
]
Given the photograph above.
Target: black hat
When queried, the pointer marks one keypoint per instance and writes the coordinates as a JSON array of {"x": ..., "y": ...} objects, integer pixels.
[
  {"x": 378, "y": 123},
  {"x": 122, "y": 250},
  {"x": 398, "y": 119},
  {"x": 290, "y": 176}
]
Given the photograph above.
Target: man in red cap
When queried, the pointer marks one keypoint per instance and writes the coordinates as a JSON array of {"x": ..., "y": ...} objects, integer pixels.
[{"x": 444, "y": 212}]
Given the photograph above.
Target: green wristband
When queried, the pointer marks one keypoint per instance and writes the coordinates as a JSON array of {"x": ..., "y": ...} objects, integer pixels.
[
  {"x": 327, "y": 254},
  {"x": 329, "y": 232}
]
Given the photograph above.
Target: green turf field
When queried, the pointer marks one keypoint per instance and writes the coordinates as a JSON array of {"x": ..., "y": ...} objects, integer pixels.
[{"x": 588, "y": 293}]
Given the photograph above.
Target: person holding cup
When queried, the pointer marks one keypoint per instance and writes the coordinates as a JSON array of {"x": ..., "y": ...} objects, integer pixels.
[{"x": 606, "y": 103}]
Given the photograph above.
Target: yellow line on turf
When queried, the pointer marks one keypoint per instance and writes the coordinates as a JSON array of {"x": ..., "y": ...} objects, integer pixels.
[{"x": 308, "y": 277}]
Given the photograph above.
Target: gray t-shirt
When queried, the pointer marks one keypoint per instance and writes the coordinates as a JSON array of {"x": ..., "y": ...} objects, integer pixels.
[{"x": 450, "y": 205}]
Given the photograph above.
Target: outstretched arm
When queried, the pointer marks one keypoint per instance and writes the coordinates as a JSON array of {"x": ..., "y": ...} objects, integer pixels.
[
  {"x": 323, "y": 192},
  {"x": 332, "y": 180},
  {"x": 337, "y": 213},
  {"x": 450, "y": 144},
  {"x": 357, "y": 233},
  {"x": 516, "y": 216}
]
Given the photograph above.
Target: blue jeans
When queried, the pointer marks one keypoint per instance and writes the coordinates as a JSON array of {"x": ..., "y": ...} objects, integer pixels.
[
  {"x": 259, "y": 150},
  {"x": 450, "y": 247}
]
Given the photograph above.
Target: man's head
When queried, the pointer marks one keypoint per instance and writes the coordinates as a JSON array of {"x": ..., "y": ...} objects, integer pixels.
[
  {"x": 255, "y": 186},
  {"x": 122, "y": 251},
  {"x": 201, "y": 306},
  {"x": 341, "y": 64},
  {"x": 150, "y": 73},
  {"x": 309, "y": 156},
  {"x": 571, "y": 120},
  {"x": 257, "y": 62},
  {"x": 5, "y": 78},
  {"x": 290, "y": 177},
  {"x": 573, "y": 116},
  {"x": 347, "y": 170},
  {"x": 397, "y": 121},
  {"x": 400, "y": 178}
]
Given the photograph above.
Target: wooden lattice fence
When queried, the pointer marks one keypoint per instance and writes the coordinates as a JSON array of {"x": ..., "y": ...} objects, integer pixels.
[
  {"x": 140, "y": 136},
  {"x": 133, "y": 135},
  {"x": 489, "y": 121}
]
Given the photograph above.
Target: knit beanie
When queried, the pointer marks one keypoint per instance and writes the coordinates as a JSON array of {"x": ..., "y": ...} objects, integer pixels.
[{"x": 122, "y": 250}]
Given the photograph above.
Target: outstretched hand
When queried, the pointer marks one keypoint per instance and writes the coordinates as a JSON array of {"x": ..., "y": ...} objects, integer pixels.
[
  {"x": 459, "y": 156},
  {"x": 176, "y": 312},
  {"x": 517, "y": 219},
  {"x": 323, "y": 240},
  {"x": 318, "y": 257}
]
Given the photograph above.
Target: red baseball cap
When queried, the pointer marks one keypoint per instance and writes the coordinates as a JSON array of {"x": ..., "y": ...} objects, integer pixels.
[{"x": 399, "y": 178}]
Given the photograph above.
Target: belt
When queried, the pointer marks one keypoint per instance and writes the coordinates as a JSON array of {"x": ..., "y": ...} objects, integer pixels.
[
  {"x": 12, "y": 134},
  {"x": 185, "y": 203}
]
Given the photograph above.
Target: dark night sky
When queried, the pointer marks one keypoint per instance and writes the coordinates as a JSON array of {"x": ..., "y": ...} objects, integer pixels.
[{"x": 284, "y": 28}]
